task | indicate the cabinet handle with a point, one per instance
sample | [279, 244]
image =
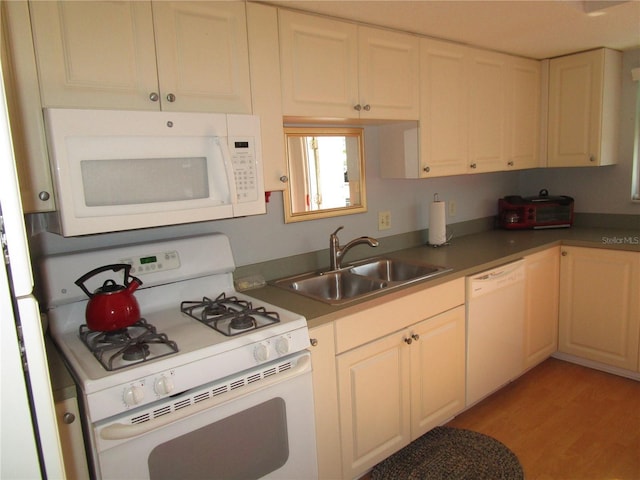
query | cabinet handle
[313, 342]
[408, 340]
[367, 108]
[357, 107]
[592, 158]
[510, 163]
[415, 336]
[426, 169]
[564, 254]
[68, 418]
[154, 97]
[44, 196]
[284, 179]
[171, 97]
[473, 165]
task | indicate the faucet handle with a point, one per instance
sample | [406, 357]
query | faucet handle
[337, 230]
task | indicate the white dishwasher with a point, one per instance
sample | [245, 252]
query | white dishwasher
[495, 324]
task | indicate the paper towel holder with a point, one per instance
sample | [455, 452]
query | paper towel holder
[447, 237]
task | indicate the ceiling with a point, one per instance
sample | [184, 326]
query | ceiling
[530, 28]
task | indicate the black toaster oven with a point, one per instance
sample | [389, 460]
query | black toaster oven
[542, 211]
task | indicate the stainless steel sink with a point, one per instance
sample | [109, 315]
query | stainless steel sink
[393, 270]
[332, 287]
[359, 279]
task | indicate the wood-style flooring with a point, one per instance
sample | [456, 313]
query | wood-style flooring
[565, 421]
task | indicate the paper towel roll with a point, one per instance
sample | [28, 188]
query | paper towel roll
[437, 223]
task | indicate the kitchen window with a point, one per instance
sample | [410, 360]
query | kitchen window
[635, 186]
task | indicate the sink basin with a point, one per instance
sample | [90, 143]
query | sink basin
[332, 287]
[393, 270]
[358, 280]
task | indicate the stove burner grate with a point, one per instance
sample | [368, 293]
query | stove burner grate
[229, 315]
[131, 345]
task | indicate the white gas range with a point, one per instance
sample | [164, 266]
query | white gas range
[215, 357]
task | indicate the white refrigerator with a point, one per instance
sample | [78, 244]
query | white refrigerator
[29, 445]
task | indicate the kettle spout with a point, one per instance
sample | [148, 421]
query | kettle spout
[134, 284]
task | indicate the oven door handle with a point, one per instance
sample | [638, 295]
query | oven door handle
[121, 431]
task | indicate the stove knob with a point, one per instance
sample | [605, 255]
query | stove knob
[133, 395]
[283, 346]
[261, 353]
[163, 385]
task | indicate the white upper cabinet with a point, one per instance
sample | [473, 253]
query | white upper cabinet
[479, 112]
[388, 74]
[523, 148]
[584, 102]
[187, 56]
[337, 69]
[25, 112]
[488, 111]
[202, 54]
[444, 109]
[264, 55]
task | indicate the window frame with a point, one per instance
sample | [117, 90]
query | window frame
[635, 176]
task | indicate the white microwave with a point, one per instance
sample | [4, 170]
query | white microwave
[124, 170]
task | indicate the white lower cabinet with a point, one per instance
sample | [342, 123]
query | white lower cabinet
[325, 397]
[71, 439]
[437, 370]
[542, 277]
[396, 388]
[600, 306]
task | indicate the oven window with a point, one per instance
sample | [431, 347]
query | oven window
[247, 445]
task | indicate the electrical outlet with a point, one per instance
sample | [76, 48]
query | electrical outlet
[384, 220]
[453, 208]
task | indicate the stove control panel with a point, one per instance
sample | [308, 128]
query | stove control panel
[154, 262]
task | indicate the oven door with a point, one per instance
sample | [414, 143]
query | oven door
[260, 426]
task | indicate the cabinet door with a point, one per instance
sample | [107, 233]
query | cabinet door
[524, 117]
[584, 105]
[266, 97]
[542, 277]
[373, 384]
[71, 438]
[202, 55]
[444, 109]
[319, 65]
[437, 370]
[489, 93]
[95, 54]
[600, 305]
[388, 74]
[25, 111]
[325, 397]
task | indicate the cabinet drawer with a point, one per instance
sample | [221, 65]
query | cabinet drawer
[384, 318]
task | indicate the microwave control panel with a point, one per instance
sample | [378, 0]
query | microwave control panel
[243, 159]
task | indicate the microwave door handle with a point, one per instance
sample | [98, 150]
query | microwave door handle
[228, 167]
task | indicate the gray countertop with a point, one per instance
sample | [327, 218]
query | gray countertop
[465, 256]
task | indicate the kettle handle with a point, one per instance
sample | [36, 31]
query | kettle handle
[113, 267]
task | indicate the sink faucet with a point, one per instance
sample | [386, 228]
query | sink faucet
[336, 252]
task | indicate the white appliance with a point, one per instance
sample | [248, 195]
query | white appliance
[224, 390]
[29, 446]
[123, 170]
[495, 329]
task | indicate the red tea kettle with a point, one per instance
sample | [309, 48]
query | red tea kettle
[112, 306]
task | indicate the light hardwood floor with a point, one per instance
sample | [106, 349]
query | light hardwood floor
[565, 421]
